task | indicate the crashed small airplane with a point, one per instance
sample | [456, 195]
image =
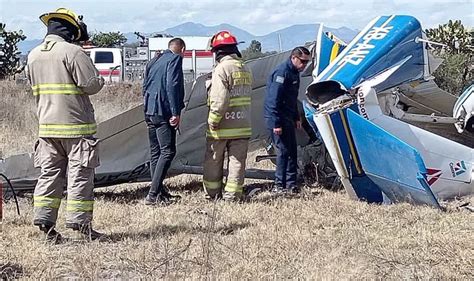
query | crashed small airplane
[365, 104]
[362, 100]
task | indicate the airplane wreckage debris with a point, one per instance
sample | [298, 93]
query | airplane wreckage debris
[360, 101]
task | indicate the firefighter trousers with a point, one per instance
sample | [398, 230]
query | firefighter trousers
[214, 164]
[66, 163]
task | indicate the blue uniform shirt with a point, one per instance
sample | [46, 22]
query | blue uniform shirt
[163, 86]
[282, 96]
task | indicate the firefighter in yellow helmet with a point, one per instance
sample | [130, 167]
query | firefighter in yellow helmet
[229, 127]
[62, 77]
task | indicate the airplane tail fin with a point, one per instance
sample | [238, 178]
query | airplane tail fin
[393, 165]
[328, 47]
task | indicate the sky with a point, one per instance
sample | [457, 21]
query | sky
[258, 17]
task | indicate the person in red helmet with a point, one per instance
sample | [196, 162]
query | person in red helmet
[229, 127]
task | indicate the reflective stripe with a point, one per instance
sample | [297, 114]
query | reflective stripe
[212, 184]
[214, 117]
[56, 89]
[46, 201]
[80, 205]
[240, 101]
[230, 133]
[67, 129]
[233, 187]
[56, 92]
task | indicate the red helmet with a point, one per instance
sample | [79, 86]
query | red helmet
[222, 38]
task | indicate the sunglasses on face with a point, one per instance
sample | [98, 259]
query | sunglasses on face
[303, 61]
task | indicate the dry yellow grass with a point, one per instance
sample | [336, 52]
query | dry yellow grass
[320, 234]
[18, 121]
[19, 124]
[317, 235]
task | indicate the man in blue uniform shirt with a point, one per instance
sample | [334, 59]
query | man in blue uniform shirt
[282, 117]
[163, 91]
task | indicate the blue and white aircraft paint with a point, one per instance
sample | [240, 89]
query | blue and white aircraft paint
[356, 98]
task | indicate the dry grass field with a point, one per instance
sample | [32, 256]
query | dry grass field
[19, 124]
[318, 234]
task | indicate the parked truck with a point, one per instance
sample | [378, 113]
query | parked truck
[128, 64]
[198, 60]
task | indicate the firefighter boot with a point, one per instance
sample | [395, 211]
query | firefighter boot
[51, 234]
[213, 197]
[86, 232]
[233, 197]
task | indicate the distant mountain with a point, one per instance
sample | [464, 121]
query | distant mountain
[299, 34]
[344, 33]
[197, 29]
[290, 37]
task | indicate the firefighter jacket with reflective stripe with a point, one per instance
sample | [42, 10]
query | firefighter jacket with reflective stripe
[62, 77]
[230, 100]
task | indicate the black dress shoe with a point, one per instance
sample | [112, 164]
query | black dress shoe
[166, 196]
[150, 201]
[294, 189]
[278, 189]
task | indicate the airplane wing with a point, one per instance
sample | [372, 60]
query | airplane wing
[124, 149]
[427, 98]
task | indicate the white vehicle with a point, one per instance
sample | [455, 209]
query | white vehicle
[198, 60]
[117, 64]
[108, 61]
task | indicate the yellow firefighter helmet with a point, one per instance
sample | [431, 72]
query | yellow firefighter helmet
[68, 15]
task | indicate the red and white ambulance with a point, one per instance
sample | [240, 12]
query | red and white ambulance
[108, 61]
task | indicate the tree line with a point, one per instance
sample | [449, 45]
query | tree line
[456, 73]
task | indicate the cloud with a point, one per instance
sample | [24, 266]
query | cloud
[188, 16]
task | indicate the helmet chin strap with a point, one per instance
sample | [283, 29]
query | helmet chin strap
[84, 34]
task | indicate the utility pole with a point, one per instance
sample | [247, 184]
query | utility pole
[279, 42]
